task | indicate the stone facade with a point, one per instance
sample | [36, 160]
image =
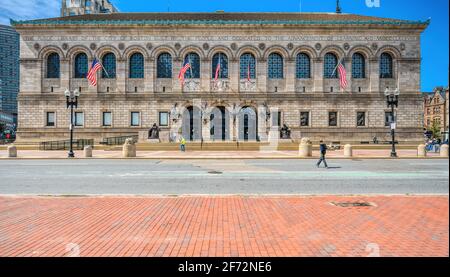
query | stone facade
[236, 97]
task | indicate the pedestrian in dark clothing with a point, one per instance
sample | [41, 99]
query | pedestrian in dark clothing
[323, 152]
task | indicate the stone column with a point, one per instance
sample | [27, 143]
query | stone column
[290, 75]
[261, 77]
[262, 124]
[318, 74]
[206, 124]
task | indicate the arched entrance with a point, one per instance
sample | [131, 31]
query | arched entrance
[192, 124]
[248, 124]
[219, 124]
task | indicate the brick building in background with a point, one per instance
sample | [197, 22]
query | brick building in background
[436, 109]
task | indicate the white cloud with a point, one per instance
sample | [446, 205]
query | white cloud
[28, 9]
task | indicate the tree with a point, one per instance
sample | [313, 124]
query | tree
[436, 130]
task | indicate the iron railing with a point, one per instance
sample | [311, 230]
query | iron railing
[118, 140]
[78, 144]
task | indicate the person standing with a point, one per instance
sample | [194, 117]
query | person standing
[183, 144]
[323, 153]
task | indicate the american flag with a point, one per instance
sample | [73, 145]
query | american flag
[342, 75]
[183, 70]
[92, 74]
[217, 71]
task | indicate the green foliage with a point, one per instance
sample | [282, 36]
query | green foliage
[436, 130]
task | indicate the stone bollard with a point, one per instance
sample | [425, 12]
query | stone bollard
[305, 148]
[444, 150]
[421, 151]
[129, 149]
[12, 151]
[348, 151]
[88, 151]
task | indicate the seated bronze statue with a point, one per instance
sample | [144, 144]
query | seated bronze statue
[154, 132]
[285, 132]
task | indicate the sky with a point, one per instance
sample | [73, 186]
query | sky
[435, 40]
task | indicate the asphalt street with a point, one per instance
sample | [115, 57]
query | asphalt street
[243, 177]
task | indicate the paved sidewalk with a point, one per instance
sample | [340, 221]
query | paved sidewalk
[102, 154]
[224, 226]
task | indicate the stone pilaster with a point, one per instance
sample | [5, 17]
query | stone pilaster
[290, 75]
[205, 75]
[120, 75]
[374, 75]
[149, 75]
[233, 72]
[65, 76]
[262, 75]
[318, 75]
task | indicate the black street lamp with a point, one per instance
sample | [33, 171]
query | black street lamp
[392, 102]
[71, 101]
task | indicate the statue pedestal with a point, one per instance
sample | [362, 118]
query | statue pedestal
[274, 135]
[153, 141]
[143, 136]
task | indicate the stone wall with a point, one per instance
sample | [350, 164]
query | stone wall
[290, 95]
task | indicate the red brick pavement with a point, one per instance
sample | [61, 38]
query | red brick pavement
[223, 226]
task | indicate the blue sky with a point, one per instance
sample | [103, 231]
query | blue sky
[435, 40]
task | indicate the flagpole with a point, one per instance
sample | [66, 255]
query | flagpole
[104, 70]
[190, 67]
[336, 67]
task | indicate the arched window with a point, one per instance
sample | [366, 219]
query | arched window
[358, 66]
[137, 66]
[109, 65]
[329, 66]
[275, 66]
[386, 66]
[194, 71]
[223, 59]
[303, 66]
[164, 66]
[248, 65]
[53, 66]
[81, 66]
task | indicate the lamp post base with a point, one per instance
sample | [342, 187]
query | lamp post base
[394, 155]
[71, 154]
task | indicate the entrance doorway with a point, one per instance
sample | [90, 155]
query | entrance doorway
[192, 124]
[248, 124]
[219, 124]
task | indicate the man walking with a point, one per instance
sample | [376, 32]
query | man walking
[182, 144]
[323, 152]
